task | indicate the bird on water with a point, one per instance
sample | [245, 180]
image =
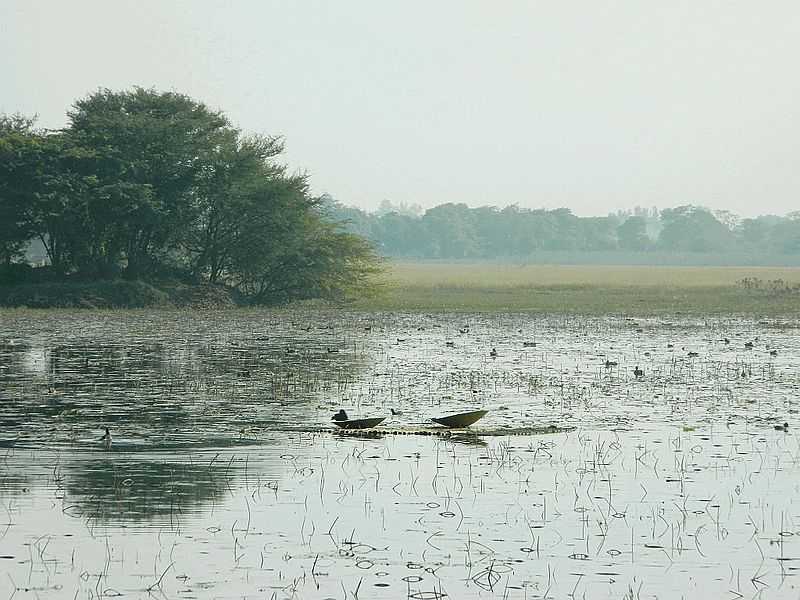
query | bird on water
[638, 373]
[106, 439]
[340, 416]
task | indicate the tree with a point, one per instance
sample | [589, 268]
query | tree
[451, 230]
[150, 150]
[407, 210]
[400, 235]
[299, 255]
[351, 219]
[785, 236]
[152, 185]
[598, 233]
[15, 139]
[42, 193]
[755, 234]
[693, 229]
[632, 234]
[237, 192]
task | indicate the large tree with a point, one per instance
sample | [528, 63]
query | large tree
[151, 151]
[153, 185]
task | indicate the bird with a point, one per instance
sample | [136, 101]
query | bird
[396, 412]
[340, 416]
[106, 439]
[773, 353]
[693, 354]
[637, 372]
[784, 427]
[493, 353]
[610, 364]
[748, 345]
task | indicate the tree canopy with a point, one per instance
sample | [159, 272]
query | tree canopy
[146, 184]
[456, 231]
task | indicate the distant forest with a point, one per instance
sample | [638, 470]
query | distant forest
[456, 231]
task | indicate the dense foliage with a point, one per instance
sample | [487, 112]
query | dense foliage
[148, 185]
[455, 231]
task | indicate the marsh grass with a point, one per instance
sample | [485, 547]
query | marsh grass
[572, 289]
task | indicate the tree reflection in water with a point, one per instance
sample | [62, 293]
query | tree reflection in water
[165, 375]
[147, 491]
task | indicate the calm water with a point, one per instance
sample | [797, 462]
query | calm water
[220, 484]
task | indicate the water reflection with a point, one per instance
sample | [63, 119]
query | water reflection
[151, 377]
[13, 483]
[120, 491]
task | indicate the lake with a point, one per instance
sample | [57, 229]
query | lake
[226, 480]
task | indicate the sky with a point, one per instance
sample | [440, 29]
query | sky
[595, 106]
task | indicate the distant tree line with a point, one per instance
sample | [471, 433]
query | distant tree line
[146, 185]
[456, 231]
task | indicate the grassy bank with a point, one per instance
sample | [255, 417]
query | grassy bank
[587, 289]
[489, 287]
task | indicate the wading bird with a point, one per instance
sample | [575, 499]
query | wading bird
[106, 439]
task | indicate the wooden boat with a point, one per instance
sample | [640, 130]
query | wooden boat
[360, 423]
[461, 419]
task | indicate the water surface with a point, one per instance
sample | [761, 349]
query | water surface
[221, 484]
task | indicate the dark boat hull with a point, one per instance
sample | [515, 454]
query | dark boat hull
[360, 423]
[461, 419]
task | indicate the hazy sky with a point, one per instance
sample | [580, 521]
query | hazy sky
[592, 105]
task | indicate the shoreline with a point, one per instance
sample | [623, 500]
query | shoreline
[470, 288]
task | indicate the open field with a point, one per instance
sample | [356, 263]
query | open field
[587, 289]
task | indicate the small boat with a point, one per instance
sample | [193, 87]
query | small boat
[461, 419]
[360, 423]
